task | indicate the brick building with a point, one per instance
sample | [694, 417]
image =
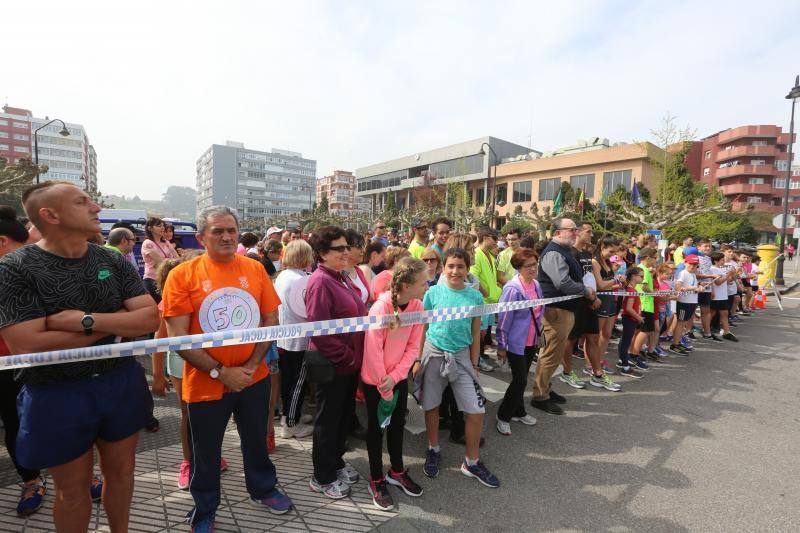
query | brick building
[340, 190]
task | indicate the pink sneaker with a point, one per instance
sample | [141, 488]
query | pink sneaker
[223, 464]
[183, 476]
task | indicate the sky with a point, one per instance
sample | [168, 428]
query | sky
[355, 83]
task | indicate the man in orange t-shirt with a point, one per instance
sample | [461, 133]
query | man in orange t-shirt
[222, 291]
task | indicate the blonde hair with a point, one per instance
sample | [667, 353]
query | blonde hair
[430, 253]
[465, 241]
[405, 272]
[393, 255]
[297, 254]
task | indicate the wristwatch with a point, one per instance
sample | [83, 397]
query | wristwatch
[88, 323]
[214, 372]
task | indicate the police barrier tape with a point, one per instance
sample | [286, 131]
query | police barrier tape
[272, 333]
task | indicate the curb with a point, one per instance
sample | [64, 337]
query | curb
[789, 288]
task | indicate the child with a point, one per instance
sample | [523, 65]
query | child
[450, 355]
[631, 318]
[719, 295]
[647, 334]
[687, 303]
[755, 270]
[663, 273]
[388, 357]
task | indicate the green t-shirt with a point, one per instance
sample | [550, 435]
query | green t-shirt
[648, 302]
[450, 335]
[504, 263]
[416, 248]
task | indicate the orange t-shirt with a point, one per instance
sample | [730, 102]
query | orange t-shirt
[220, 297]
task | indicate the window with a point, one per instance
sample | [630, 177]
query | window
[3, 135]
[21, 149]
[760, 143]
[521, 192]
[21, 137]
[779, 183]
[4, 147]
[706, 171]
[3, 123]
[502, 194]
[708, 154]
[753, 199]
[583, 182]
[22, 125]
[616, 179]
[794, 211]
[548, 189]
[755, 181]
[479, 196]
[794, 184]
[757, 162]
[782, 165]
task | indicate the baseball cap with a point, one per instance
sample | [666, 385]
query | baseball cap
[616, 259]
[691, 259]
[273, 230]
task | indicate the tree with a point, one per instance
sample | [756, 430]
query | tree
[17, 177]
[180, 200]
[666, 135]
[323, 204]
[720, 226]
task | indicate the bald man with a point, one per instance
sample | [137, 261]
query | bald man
[63, 292]
[121, 240]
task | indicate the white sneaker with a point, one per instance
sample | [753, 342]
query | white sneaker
[528, 420]
[504, 428]
[504, 366]
[298, 431]
[348, 474]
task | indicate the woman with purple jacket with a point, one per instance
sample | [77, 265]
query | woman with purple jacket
[331, 294]
[517, 337]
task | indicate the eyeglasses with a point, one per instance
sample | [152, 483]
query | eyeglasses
[533, 265]
[341, 249]
[431, 260]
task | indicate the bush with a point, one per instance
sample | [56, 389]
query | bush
[721, 227]
[521, 224]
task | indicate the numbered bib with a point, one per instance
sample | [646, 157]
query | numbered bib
[229, 308]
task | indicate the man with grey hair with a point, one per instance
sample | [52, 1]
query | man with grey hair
[559, 275]
[120, 240]
[215, 292]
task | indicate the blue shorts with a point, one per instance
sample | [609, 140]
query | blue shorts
[59, 422]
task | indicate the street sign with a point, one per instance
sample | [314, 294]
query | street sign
[656, 232]
[777, 221]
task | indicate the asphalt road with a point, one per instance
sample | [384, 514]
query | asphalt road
[705, 443]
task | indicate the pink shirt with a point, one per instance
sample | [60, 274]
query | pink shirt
[530, 292]
[380, 283]
[152, 249]
[390, 351]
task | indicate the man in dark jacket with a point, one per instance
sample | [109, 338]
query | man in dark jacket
[559, 275]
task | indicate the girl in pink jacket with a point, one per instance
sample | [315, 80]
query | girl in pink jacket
[388, 357]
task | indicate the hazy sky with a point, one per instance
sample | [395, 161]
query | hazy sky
[355, 83]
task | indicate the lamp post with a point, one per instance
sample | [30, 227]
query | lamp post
[64, 133]
[793, 95]
[494, 181]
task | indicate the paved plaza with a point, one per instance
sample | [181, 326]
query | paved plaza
[704, 443]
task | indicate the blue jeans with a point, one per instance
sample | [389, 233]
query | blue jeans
[207, 423]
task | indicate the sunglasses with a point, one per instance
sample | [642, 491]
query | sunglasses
[341, 249]
[431, 260]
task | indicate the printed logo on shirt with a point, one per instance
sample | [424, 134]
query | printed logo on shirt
[206, 285]
[243, 282]
[103, 274]
[228, 308]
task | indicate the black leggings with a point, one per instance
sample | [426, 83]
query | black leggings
[394, 433]
[293, 384]
[8, 412]
[513, 404]
[628, 333]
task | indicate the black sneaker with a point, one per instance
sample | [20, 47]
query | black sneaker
[678, 349]
[548, 406]
[380, 495]
[714, 338]
[405, 483]
[556, 397]
[730, 337]
[631, 372]
[653, 356]
[691, 335]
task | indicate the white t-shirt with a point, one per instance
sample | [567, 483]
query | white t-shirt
[731, 265]
[755, 271]
[718, 292]
[688, 280]
[704, 268]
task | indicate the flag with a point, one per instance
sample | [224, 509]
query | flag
[580, 202]
[603, 198]
[557, 204]
[636, 198]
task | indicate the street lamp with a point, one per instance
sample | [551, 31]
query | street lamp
[494, 181]
[793, 95]
[64, 133]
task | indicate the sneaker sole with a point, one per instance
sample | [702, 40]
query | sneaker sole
[503, 433]
[429, 475]
[573, 384]
[482, 482]
[272, 510]
[392, 481]
[517, 419]
[380, 508]
[603, 386]
[321, 491]
[630, 376]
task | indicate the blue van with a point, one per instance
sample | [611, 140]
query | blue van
[185, 234]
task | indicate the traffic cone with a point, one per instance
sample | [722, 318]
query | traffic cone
[761, 299]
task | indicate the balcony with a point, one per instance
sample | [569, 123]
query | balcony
[763, 207]
[746, 151]
[745, 170]
[745, 188]
[748, 132]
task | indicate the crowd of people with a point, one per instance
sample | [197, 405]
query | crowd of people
[59, 288]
